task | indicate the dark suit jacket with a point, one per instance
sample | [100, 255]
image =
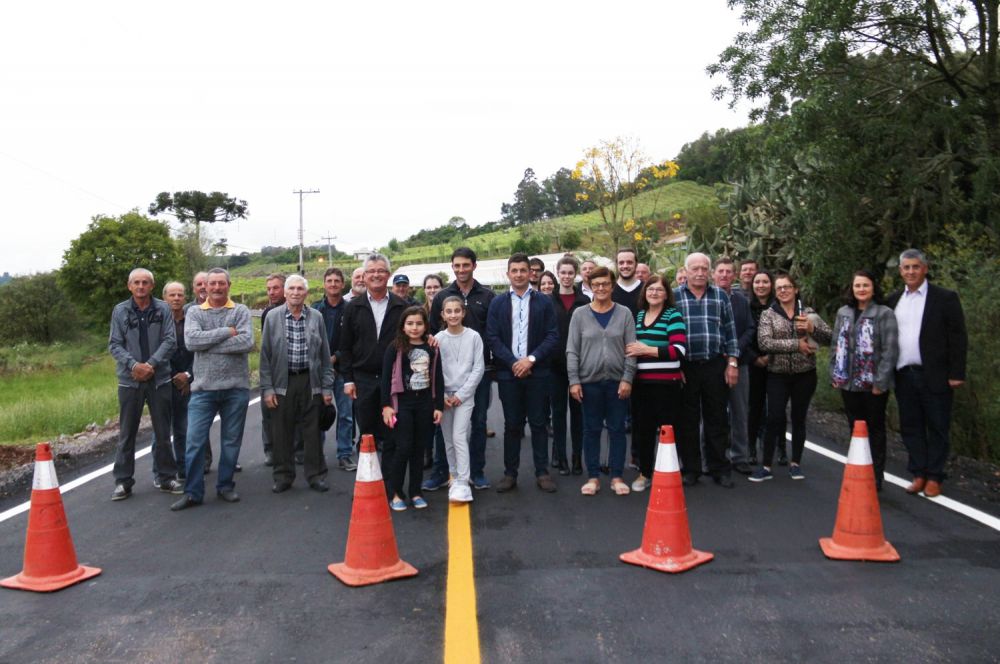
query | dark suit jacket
[543, 334]
[361, 351]
[943, 340]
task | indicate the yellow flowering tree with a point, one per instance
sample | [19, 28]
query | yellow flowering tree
[611, 174]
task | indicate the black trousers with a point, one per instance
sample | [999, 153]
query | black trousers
[368, 407]
[653, 405]
[130, 403]
[781, 388]
[705, 400]
[298, 407]
[755, 405]
[924, 423]
[870, 408]
[561, 401]
[404, 447]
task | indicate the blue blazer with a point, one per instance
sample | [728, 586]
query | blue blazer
[543, 333]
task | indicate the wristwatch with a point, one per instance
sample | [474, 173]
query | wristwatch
[734, 363]
[531, 358]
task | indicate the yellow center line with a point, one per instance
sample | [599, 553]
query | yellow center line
[461, 625]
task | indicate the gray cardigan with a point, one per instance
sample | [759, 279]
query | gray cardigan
[594, 353]
[884, 342]
[274, 353]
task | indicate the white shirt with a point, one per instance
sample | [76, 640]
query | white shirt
[379, 308]
[519, 309]
[909, 316]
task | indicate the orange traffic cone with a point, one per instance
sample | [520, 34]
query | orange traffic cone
[666, 538]
[49, 558]
[857, 534]
[371, 555]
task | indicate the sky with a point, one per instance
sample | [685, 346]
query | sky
[401, 114]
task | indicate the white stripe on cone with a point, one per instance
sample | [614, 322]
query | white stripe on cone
[860, 453]
[666, 458]
[368, 468]
[45, 476]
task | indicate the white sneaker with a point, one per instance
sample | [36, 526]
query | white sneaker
[460, 493]
[640, 484]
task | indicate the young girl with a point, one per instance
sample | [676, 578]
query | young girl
[462, 364]
[412, 401]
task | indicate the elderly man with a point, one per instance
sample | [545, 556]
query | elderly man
[220, 334]
[275, 287]
[477, 300]
[369, 325]
[681, 277]
[739, 394]
[931, 365]
[522, 332]
[296, 378]
[586, 267]
[142, 340]
[332, 307]
[642, 272]
[181, 369]
[711, 367]
[357, 284]
[401, 288]
[199, 288]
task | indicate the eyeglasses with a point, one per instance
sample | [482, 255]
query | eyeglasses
[784, 287]
[599, 285]
[376, 271]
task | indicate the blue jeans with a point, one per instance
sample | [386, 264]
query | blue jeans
[601, 406]
[231, 406]
[345, 420]
[521, 398]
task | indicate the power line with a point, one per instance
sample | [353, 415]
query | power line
[329, 246]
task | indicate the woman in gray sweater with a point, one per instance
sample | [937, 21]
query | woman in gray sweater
[600, 378]
[863, 361]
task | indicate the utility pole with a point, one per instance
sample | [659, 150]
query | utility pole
[302, 261]
[329, 247]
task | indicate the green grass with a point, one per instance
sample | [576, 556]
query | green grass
[46, 391]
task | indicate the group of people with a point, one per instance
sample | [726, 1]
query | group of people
[573, 352]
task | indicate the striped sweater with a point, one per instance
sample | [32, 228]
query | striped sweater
[669, 335]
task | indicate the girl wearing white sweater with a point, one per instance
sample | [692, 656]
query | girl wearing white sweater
[461, 352]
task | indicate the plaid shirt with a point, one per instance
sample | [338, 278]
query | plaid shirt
[298, 349]
[711, 330]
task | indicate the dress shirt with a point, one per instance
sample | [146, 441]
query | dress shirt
[519, 305]
[379, 307]
[909, 316]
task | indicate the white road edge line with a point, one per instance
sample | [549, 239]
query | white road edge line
[93, 475]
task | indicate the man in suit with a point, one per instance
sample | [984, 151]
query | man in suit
[521, 331]
[368, 325]
[931, 364]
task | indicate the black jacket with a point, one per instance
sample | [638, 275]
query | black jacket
[477, 306]
[746, 327]
[361, 352]
[562, 320]
[182, 360]
[943, 339]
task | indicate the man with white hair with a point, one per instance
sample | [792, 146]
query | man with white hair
[296, 379]
[357, 284]
[711, 367]
[142, 340]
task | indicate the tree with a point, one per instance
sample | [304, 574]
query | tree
[561, 191]
[36, 309]
[950, 46]
[196, 207]
[530, 202]
[96, 266]
[609, 177]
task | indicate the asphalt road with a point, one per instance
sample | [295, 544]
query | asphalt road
[248, 582]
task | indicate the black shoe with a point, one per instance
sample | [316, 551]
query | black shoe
[753, 460]
[319, 485]
[121, 492]
[689, 479]
[563, 468]
[300, 458]
[782, 458]
[229, 495]
[742, 468]
[725, 481]
[268, 459]
[185, 502]
[238, 468]
[281, 487]
[577, 465]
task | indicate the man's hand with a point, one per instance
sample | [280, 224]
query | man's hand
[141, 372]
[761, 361]
[576, 392]
[955, 383]
[180, 381]
[522, 368]
[271, 401]
[732, 376]
[624, 390]
[233, 331]
[351, 390]
[437, 417]
[804, 346]
[333, 359]
[328, 399]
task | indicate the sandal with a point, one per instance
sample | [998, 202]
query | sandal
[619, 487]
[591, 487]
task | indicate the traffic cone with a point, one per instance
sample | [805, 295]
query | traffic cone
[49, 558]
[666, 538]
[857, 535]
[371, 555]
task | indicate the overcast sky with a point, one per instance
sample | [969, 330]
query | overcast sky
[402, 114]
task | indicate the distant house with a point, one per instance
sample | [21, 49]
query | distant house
[362, 254]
